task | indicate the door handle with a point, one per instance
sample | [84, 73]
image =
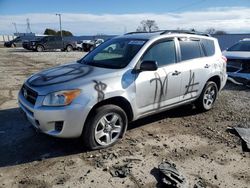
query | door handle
[207, 66]
[175, 73]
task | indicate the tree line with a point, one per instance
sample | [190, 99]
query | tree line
[53, 32]
[151, 25]
[145, 26]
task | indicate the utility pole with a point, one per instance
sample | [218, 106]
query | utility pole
[60, 22]
[28, 30]
[15, 26]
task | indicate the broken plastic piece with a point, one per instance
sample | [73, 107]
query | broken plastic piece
[171, 177]
[244, 134]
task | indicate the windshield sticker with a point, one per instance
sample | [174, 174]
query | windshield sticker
[136, 42]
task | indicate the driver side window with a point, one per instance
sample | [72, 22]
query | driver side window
[163, 53]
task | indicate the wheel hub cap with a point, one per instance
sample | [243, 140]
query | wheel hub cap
[108, 129]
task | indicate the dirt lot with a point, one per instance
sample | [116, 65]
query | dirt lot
[197, 143]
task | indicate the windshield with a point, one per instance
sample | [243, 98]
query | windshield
[115, 53]
[241, 46]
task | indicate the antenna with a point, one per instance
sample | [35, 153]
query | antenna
[28, 30]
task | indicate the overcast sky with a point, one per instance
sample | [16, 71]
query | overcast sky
[116, 17]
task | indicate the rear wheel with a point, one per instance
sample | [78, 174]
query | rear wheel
[69, 48]
[39, 48]
[105, 127]
[208, 96]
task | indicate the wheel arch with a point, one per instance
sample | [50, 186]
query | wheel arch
[216, 79]
[40, 45]
[118, 101]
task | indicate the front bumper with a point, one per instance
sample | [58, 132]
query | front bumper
[70, 118]
[239, 78]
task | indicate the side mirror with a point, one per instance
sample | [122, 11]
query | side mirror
[148, 66]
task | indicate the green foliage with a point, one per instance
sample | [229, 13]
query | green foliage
[64, 33]
[57, 33]
[49, 32]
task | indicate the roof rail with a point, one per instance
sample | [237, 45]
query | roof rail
[135, 32]
[171, 31]
[186, 32]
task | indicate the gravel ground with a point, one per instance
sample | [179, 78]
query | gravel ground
[197, 143]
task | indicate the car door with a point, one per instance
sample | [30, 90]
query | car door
[46, 42]
[58, 43]
[194, 67]
[158, 89]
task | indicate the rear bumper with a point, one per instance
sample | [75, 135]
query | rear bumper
[63, 122]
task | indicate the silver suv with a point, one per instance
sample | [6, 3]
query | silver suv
[122, 80]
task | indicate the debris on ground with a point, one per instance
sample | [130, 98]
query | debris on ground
[200, 184]
[121, 171]
[244, 134]
[170, 175]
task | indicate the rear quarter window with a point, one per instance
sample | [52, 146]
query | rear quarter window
[208, 46]
[190, 50]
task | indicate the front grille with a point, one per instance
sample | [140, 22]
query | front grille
[29, 94]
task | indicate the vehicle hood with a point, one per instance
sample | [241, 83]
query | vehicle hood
[236, 55]
[70, 76]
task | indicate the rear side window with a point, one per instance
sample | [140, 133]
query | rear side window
[163, 53]
[208, 46]
[190, 50]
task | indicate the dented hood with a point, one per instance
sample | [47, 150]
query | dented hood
[68, 76]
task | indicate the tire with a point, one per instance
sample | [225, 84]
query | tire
[208, 96]
[110, 50]
[105, 127]
[39, 48]
[69, 48]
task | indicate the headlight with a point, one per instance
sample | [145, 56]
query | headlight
[61, 98]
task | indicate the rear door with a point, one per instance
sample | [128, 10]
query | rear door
[194, 67]
[58, 43]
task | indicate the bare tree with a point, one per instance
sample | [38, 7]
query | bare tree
[147, 26]
[210, 30]
[214, 31]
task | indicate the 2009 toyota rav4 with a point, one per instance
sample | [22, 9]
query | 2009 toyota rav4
[124, 79]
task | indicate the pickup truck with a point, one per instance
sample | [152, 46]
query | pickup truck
[50, 43]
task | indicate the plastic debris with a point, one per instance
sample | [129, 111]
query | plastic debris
[171, 177]
[244, 134]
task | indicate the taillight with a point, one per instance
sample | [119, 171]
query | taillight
[224, 58]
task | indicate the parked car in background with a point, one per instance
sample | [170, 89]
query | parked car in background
[148, 73]
[79, 44]
[50, 43]
[89, 45]
[238, 62]
[17, 42]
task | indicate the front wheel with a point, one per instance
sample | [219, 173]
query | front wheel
[105, 127]
[39, 48]
[208, 96]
